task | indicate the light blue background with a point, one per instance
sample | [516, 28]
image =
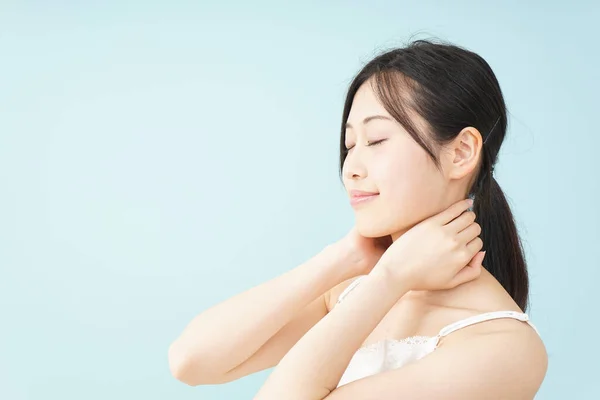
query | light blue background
[158, 158]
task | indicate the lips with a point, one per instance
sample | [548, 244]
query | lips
[359, 197]
[361, 193]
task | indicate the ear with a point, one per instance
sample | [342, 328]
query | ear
[462, 155]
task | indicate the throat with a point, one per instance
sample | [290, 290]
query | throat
[450, 298]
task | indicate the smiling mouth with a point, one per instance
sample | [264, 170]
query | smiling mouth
[357, 200]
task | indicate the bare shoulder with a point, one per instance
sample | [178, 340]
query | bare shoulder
[334, 293]
[518, 351]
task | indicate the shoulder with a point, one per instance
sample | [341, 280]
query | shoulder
[518, 352]
[506, 362]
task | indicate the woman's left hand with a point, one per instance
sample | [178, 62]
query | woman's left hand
[440, 252]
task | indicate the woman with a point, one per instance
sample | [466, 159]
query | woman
[404, 306]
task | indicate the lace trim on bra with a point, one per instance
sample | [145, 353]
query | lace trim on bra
[408, 341]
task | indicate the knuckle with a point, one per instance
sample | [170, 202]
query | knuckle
[465, 254]
[454, 241]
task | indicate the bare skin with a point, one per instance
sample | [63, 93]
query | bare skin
[496, 362]
[420, 313]
[254, 330]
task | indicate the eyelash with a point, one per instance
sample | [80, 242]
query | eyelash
[371, 144]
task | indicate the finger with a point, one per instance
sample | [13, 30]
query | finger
[466, 274]
[478, 259]
[475, 245]
[482, 258]
[467, 253]
[470, 272]
[453, 211]
[469, 233]
[461, 222]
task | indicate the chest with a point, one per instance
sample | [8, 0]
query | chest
[405, 319]
[385, 355]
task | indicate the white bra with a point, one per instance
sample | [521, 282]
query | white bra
[389, 354]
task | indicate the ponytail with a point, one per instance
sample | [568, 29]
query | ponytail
[504, 257]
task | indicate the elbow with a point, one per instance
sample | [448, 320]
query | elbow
[180, 366]
[185, 368]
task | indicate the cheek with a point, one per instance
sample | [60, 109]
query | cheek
[412, 181]
[410, 187]
[405, 175]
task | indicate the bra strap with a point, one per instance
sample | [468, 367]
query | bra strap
[485, 317]
[348, 289]
[458, 324]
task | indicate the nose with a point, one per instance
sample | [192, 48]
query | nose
[354, 167]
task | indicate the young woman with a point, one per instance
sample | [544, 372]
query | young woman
[405, 306]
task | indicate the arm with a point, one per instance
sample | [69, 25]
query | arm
[313, 367]
[250, 331]
[439, 253]
[498, 365]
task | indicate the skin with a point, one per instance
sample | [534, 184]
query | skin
[421, 285]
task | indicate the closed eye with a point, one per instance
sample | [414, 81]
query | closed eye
[369, 145]
[376, 142]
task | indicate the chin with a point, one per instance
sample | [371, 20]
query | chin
[380, 227]
[372, 229]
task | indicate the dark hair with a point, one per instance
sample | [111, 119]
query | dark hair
[451, 88]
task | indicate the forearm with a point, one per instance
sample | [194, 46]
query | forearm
[314, 366]
[224, 336]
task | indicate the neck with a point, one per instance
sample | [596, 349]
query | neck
[450, 298]
[443, 298]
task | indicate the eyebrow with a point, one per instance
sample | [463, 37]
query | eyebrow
[369, 119]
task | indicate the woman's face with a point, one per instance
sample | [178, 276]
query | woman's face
[410, 188]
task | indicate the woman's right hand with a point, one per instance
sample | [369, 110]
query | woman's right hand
[439, 253]
[362, 252]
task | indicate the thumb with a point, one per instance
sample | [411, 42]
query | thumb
[471, 271]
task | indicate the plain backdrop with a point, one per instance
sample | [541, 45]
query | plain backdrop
[157, 158]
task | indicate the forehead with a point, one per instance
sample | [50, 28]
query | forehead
[364, 104]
